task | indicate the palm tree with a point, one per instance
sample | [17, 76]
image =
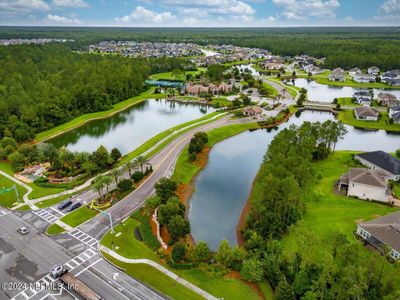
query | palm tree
[99, 184]
[116, 173]
[107, 181]
[129, 166]
[141, 161]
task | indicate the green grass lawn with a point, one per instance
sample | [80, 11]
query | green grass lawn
[222, 101]
[149, 94]
[157, 138]
[79, 216]
[396, 190]
[272, 92]
[347, 101]
[169, 76]
[327, 212]
[128, 245]
[185, 170]
[154, 278]
[51, 202]
[9, 199]
[347, 117]
[54, 229]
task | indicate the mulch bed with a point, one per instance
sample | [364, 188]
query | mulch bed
[138, 236]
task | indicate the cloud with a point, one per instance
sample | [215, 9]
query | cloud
[390, 7]
[222, 7]
[304, 9]
[22, 7]
[62, 20]
[143, 16]
[70, 3]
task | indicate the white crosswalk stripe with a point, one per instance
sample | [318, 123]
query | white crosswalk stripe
[3, 213]
[47, 280]
[46, 215]
[84, 238]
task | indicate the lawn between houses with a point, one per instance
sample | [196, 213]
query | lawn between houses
[347, 117]
[327, 212]
[127, 245]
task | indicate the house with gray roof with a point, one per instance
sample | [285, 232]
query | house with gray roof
[381, 161]
[366, 113]
[366, 184]
[383, 231]
[337, 74]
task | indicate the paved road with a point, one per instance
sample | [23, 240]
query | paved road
[28, 258]
[163, 164]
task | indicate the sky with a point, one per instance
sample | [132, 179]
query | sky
[200, 13]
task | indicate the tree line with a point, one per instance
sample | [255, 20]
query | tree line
[44, 86]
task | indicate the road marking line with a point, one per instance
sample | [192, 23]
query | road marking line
[89, 266]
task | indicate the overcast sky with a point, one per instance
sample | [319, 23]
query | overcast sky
[199, 13]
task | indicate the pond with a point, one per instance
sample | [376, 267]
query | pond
[326, 93]
[249, 67]
[130, 128]
[223, 187]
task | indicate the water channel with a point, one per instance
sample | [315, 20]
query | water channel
[130, 128]
[224, 185]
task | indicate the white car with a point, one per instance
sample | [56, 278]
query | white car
[23, 230]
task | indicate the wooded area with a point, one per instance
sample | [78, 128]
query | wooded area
[344, 47]
[44, 86]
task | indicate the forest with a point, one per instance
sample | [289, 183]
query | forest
[44, 86]
[344, 47]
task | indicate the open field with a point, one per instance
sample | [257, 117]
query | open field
[347, 117]
[9, 199]
[79, 121]
[327, 212]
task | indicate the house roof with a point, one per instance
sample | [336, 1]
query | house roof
[366, 111]
[383, 160]
[396, 116]
[368, 177]
[386, 96]
[386, 229]
[354, 70]
[362, 94]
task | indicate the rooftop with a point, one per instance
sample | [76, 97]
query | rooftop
[383, 160]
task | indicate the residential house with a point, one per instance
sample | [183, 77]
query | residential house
[366, 184]
[337, 74]
[364, 78]
[354, 71]
[253, 111]
[313, 69]
[373, 71]
[381, 161]
[394, 114]
[363, 97]
[381, 231]
[387, 99]
[391, 77]
[366, 113]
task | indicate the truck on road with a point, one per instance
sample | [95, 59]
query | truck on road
[74, 284]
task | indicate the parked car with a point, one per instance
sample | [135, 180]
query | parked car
[23, 230]
[74, 206]
[57, 271]
[64, 204]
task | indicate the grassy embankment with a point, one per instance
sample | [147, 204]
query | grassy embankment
[327, 212]
[272, 92]
[347, 117]
[79, 121]
[9, 199]
[347, 101]
[127, 245]
[185, 169]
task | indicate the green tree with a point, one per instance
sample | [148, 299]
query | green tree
[141, 161]
[178, 226]
[165, 189]
[201, 251]
[252, 270]
[284, 291]
[17, 161]
[178, 252]
[224, 254]
[116, 173]
[115, 154]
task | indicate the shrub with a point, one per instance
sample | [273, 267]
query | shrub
[125, 185]
[137, 176]
[178, 252]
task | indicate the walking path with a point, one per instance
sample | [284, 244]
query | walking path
[159, 268]
[25, 197]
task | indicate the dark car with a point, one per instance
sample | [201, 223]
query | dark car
[74, 206]
[64, 204]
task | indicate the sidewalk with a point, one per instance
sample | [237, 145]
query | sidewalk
[161, 269]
